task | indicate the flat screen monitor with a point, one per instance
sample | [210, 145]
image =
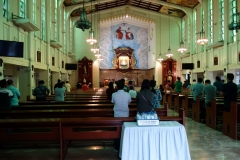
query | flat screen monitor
[11, 49]
[71, 66]
[187, 66]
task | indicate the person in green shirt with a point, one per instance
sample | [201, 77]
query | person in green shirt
[178, 85]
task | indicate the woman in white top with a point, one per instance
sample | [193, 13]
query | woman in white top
[68, 86]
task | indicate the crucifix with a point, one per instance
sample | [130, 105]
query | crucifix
[137, 73]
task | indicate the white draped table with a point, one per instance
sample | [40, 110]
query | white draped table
[167, 141]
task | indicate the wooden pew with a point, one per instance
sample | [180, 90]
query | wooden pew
[177, 100]
[70, 113]
[213, 112]
[187, 105]
[77, 101]
[230, 121]
[67, 106]
[196, 109]
[67, 129]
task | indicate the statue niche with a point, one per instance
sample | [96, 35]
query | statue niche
[123, 59]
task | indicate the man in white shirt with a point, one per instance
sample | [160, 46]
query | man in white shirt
[121, 100]
[5, 96]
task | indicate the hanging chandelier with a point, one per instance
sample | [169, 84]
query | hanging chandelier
[169, 54]
[182, 48]
[83, 23]
[91, 40]
[94, 49]
[160, 59]
[201, 38]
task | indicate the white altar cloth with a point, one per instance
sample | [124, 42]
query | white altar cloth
[167, 141]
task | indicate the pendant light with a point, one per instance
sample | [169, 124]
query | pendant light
[202, 39]
[169, 53]
[182, 48]
[160, 59]
[91, 40]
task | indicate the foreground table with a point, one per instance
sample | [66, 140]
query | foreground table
[167, 141]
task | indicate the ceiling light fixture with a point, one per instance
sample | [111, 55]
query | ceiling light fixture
[83, 23]
[182, 48]
[169, 53]
[91, 40]
[201, 38]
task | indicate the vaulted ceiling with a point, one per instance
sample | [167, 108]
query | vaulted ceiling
[153, 5]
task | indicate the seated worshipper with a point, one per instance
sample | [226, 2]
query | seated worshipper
[130, 84]
[197, 89]
[132, 92]
[15, 91]
[110, 90]
[41, 91]
[5, 96]
[68, 86]
[84, 87]
[229, 91]
[157, 95]
[145, 97]
[121, 100]
[60, 92]
[59, 81]
[185, 84]
[125, 86]
[178, 85]
[218, 84]
[238, 87]
[168, 85]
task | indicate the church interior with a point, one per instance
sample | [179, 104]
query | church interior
[101, 41]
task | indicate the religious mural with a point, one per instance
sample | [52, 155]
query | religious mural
[124, 35]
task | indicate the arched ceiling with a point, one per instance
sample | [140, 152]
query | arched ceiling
[170, 7]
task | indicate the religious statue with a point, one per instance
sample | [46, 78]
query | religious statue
[85, 69]
[84, 80]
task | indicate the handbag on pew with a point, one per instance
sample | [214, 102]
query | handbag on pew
[147, 101]
[43, 92]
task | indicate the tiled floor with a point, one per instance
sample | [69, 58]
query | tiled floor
[204, 144]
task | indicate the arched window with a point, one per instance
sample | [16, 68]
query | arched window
[5, 8]
[70, 36]
[210, 24]
[64, 32]
[56, 19]
[203, 24]
[233, 11]
[221, 19]
[195, 32]
[34, 13]
[22, 8]
[43, 20]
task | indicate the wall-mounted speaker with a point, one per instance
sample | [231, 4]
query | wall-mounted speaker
[32, 67]
[1, 62]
